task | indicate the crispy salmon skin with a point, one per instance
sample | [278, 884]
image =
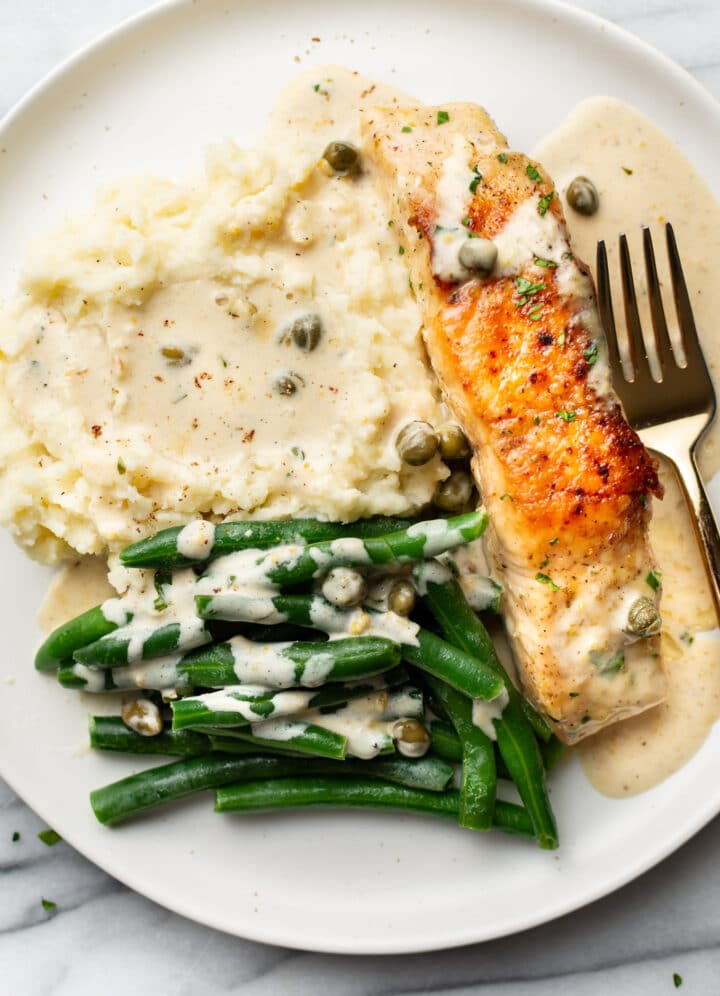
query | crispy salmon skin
[512, 332]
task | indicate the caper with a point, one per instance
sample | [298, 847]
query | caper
[401, 598]
[644, 618]
[582, 196]
[478, 254]
[142, 716]
[342, 156]
[417, 442]
[287, 384]
[306, 332]
[411, 737]
[454, 492]
[344, 587]
[454, 443]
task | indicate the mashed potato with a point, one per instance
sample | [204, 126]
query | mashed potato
[148, 373]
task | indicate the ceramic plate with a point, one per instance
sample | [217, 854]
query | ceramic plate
[150, 97]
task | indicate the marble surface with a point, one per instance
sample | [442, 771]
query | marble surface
[102, 937]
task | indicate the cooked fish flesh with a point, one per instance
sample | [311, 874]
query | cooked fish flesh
[512, 332]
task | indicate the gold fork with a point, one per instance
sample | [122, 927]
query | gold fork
[670, 415]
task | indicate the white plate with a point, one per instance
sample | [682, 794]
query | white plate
[150, 97]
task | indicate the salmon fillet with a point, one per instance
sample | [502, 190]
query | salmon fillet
[521, 359]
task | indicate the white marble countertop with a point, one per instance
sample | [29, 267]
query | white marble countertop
[104, 938]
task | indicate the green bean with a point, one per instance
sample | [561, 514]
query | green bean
[515, 738]
[254, 704]
[301, 738]
[551, 753]
[110, 733]
[444, 742]
[161, 549]
[240, 661]
[136, 793]
[128, 646]
[479, 778]
[68, 638]
[288, 793]
[468, 674]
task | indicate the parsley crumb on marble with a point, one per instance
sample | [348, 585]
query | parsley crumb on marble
[48, 905]
[49, 837]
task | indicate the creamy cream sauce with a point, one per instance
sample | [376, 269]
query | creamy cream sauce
[80, 585]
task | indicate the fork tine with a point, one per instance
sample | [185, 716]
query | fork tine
[663, 343]
[686, 321]
[606, 308]
[638, 353]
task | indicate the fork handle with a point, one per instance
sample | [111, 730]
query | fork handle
[704, 522]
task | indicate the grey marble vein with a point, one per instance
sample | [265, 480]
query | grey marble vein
[104, 938]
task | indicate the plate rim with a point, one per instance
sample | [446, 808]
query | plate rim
[263, 931]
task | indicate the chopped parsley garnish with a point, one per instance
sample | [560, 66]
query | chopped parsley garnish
[475, 180]
[162, 578]
[654, 579]
[316, 87]
[121, 468]
[544, 203]
[297, 452]
[391, 223]
[401, 250]
[554, 541]
[687, 638]
[549, 264]
[544, 579]
[562, 338]
[533, 173]
[568, 255]
[443, 117]
[536, 313]
[545, 562]
[15, 836]
[677, 980]
[536, 420]
[607, 663]
[406, 129]
[643, 501]
[573, 695]
[49, 837]
[506, 495]
[48, 905]
[527, 289]
[591, 353]
[567, 416]
[502, 157]
[626, 170]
